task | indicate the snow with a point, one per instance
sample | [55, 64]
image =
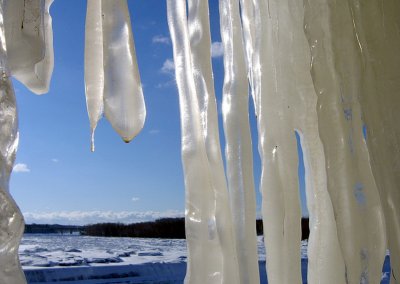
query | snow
[84, 259]
[63, 250]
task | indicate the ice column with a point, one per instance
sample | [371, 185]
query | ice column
[277, 143]
[11, 222]
[336, 75]
[296, 100]
[29, 33]
[238, 151]
[377, 41]
[111, 70]
[211, 244]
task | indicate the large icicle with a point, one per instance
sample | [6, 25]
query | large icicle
[336, 75]
[325, 261]
[378, 44]
[11, 222]
[211, 244]
[29, 34]
[277, 144]
[123, 97]
[94, 66]
[238, 152]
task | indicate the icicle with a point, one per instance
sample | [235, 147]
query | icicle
[30, 44]
[200, 46]
[325, 261]
[12, 222]
[277, 144]
[123, 97]
[378, 45]
[336, 73]
[211, 245]
[238, 150]
[39, 79]
[94, 73]
[248, 16]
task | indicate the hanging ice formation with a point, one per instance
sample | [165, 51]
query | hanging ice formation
[111, 71]
[326, 70]
[26, 52]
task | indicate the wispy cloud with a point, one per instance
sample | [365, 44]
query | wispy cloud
[54, 160]
[167, 84]
[135, 199]
[161, 39]
[21, 168]
[168, 66]
[217, 49]
[154, 131]
[91, 217]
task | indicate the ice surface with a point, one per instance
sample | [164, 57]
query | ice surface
[63, 250]
[45, 259]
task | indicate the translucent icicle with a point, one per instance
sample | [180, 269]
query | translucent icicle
[38, 80]
[200, 43]
[11, 222]
[211, 244]
[378, 45]
[248, 15]
[123, 97]
[325, 261]
[238, 152]
[94, 67]
[30, 44]
[336, 73]
[277, 144]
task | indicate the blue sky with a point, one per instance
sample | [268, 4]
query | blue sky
[58, 180]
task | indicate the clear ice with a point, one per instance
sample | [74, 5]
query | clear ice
[11, 219]
[112, 77]
[29, 34]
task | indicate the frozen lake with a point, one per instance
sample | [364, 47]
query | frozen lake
[82, 259]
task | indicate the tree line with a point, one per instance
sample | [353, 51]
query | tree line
[166, 228]
[169, 228]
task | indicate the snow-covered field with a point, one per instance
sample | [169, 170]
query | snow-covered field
[81, 259]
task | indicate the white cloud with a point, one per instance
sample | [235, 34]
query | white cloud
[21, 168]
[161, 39]
[217, 49]
[167, 84]
[135, 199]
[54, 160]
[91, 217]
[154, 131]
[168, 66]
